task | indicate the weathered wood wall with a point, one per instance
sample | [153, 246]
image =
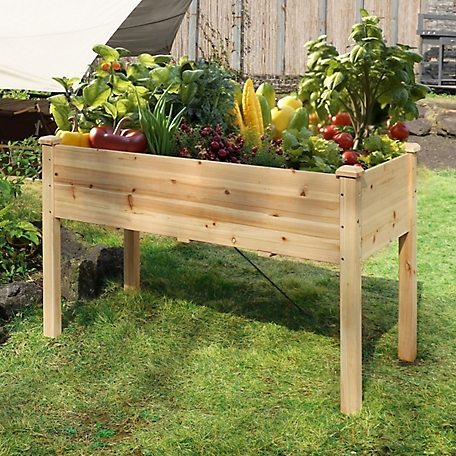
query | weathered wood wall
[267, 37]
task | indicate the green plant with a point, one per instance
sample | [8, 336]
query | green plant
[20, 160]
[159, 126]
[310, 152]
[19, 239]
[371, 82]
[110, 91]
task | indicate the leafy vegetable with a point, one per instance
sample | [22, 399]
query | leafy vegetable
[309, 152]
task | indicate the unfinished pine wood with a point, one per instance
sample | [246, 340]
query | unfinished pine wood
[341, 218]
[52, 313]
[131, 260]
[407, 327]
[385, 207]
[295, 213]
[350, 290]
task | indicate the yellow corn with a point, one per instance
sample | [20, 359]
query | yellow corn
[251, 108]
[237, 117]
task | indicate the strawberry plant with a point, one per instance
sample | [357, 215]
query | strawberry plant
[370, 83]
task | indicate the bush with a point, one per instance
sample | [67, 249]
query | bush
[19, 239]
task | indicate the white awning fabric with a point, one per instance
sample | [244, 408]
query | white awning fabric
[52, 38]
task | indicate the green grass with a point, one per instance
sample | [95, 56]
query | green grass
[210, 359]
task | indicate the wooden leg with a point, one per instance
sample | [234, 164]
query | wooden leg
[131, 260]
[407, 344]
[52, 312]
[350, 296]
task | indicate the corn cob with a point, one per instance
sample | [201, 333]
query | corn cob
[237, 117]
[251, 108]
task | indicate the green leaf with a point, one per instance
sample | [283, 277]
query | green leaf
[358, 53]
[66, 83]
[60, 113]
[59, 100]
[147, 60]
[400, 96]
[122, 51]
[189, 76]
[106, 52]
[120, 85]
[77, 101]
[96, 93]
[110, 109]
[137, 71]
[332, 82]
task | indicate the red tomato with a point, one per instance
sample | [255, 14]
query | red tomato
[345, 140]
[105, 66]
[116, 66]
[399, 131]
[341, 119]
[328, 131]
[350, 157]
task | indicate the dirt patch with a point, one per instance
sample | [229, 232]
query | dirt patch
[435, 132]
[437, 152]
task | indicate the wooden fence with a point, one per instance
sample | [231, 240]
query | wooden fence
[267, 37]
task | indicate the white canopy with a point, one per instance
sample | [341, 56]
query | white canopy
[52, 38]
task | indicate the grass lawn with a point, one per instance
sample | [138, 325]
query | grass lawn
[210, 359]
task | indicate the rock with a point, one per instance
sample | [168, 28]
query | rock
[447, 122]
[84, 268]
[419, 127]
[16, 296]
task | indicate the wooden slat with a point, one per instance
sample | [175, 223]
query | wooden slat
[385, 208]
[296, 211]
[112, 209]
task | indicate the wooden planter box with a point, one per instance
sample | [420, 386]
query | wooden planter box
[342, 219]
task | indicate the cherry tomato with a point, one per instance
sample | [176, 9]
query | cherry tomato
[328, 131]
[345, 140]
[313, 119]
[105, 66]
[399, 131]
[341, 119]
[350, 157]
[116, 66]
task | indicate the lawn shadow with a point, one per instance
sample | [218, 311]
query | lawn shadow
[221, 279]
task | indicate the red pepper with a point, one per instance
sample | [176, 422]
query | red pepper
[128, 140]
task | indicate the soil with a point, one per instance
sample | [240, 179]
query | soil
[435, 132]
[437, 152]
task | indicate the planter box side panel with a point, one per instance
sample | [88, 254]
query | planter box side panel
[286, 212]
[385, 203]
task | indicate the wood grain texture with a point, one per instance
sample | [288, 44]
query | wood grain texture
[295, 213]
[350, 295]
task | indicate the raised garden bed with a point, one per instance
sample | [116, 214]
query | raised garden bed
[341, 219]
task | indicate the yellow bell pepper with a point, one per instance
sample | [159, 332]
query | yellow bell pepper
[74, 138]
